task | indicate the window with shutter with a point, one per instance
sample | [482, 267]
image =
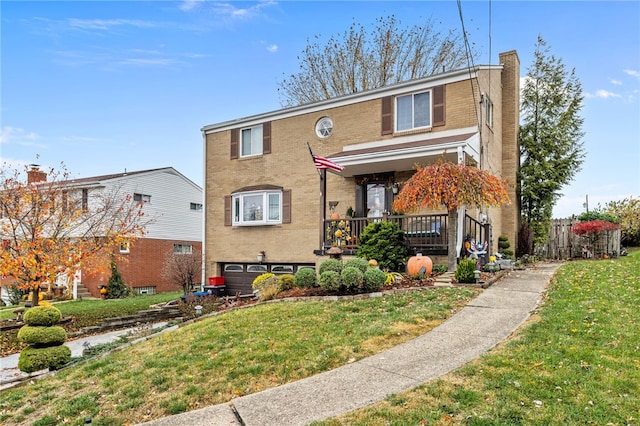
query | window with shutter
[266, 138]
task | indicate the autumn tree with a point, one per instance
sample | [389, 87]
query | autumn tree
[449, 185]
[627, 211]
[550, 136]
[183, 269]
[360, 60]
[49, 228]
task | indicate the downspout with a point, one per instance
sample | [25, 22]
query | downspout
[204, 208]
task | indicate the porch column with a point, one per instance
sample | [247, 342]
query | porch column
[323, 206]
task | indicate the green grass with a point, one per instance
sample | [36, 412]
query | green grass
[225, 356]
[576, 363]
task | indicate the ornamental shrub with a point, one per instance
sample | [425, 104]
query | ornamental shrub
[258, 281]
[374, 280]
[34, 359]
[116, 288]
[352, 278]
[330, 265]
[383, 241]
[42, 315]
[330, 280]
[42, 336]
[286, 281]
[305, 278]
[359, 263]
[465, 273]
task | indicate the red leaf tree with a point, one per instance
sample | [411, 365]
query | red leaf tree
[452, 186]
[592, 230]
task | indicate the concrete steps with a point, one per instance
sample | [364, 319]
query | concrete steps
[444, 280]
[83, 293]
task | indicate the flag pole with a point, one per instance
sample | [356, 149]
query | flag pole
[313, 158]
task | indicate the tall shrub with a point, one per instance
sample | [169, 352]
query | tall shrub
[116, 288]
[383, 241]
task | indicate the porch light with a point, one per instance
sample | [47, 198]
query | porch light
[260, 257]
[395, 188]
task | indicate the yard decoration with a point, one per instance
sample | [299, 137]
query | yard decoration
[46, 340]
[452, 186]
[416, 264]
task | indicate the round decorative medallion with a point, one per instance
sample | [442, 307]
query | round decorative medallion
[324, 127]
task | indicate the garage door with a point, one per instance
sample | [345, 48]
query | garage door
[239, 276]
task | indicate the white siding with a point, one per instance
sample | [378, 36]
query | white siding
[171, 197]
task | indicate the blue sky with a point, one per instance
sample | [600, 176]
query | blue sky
[105, 86]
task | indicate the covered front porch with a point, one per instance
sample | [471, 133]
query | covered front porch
[423, 233]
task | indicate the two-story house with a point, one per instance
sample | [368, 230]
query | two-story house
[173, 206]
[267, 208]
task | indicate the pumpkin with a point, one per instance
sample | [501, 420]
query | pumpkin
[373, 263]
[335, 216]
[103, 290]
[417, 263]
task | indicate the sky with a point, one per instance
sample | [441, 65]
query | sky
[108, 86]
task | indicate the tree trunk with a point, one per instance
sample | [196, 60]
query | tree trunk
[35, 294]
[452, 238]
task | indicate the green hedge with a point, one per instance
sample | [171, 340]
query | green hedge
[42, 315]
[42, 336]
[374, 279]
[36, 359]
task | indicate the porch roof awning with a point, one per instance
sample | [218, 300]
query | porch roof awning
[404, 153]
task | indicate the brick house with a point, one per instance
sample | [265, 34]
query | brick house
[268, 210]
[170, 199]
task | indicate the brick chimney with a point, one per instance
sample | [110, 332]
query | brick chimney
[35, 174]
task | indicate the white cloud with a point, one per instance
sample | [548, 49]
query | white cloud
[107, 24]
[17, 135]
[602, 94]
[632, 73]
[272, 48]
[188, 5]
[615, 82]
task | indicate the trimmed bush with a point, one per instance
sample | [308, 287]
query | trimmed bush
[330, 280]
[116, 288]
[374, 279]
[35, 359]
[352, 278]
[42, 315]
[465, 273]
[286, 281]
[42, 336]
[359, 263]
[330, 265]
[260, 279]
[305, 278]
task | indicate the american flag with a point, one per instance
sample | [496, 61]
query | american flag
[325, 163]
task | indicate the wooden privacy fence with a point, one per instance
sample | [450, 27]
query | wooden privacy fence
[564, 244]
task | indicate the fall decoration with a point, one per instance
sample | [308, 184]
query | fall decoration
[416, 263]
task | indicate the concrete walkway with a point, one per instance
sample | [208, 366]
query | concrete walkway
[481, 325]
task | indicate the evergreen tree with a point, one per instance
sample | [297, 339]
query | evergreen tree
[116, 288]
[551, 147]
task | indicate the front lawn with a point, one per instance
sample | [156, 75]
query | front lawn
[576, 363]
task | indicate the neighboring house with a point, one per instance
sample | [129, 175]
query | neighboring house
[268, 209]
[172, 202]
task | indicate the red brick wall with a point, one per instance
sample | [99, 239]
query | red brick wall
[141, 267]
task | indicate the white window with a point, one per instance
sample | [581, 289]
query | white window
[257, 268]
[251, 141]
[182, 248]
[489, 111]
[196, 206]
[125, 247]
[257, 208]
[233, 268]
[142, 198]
[413, 111]
[282, 269]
